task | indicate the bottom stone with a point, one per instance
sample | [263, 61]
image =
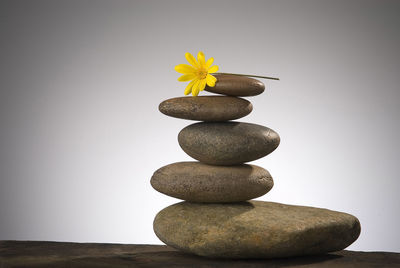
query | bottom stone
[254, 229]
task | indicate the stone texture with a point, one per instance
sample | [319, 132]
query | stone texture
[233, 85]
[90, 255]
[206, 108]
[198, 182]
[227, 143]
[254, 229]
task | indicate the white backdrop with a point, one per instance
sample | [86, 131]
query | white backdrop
[81, 133]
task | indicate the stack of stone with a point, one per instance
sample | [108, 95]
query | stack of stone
[216, 219]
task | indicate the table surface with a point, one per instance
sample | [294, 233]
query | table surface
[60, 254]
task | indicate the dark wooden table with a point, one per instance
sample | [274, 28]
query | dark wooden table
[57, 254]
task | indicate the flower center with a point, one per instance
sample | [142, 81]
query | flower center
[202, 73]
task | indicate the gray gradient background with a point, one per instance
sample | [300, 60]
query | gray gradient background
[81, 133]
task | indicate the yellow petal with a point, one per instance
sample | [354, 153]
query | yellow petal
[209, 62]
[201, 59]
[213, 69]
[189, 57]
[188, 88]
[186, 77]
[211, 80]
[184, 69]
[202, 84]
[195, 89]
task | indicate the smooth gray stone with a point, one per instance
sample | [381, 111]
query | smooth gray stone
[227, 143]
[206, 108]
[254, 229]
[198, 182]
[234, 85]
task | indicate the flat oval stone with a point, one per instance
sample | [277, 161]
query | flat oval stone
[254, 229]
[234, 85]
[206, 108]
[198, 182]
[227, 143]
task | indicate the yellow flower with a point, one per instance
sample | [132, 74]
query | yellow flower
[198, 71]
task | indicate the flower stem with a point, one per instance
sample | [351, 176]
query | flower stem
[258, 76]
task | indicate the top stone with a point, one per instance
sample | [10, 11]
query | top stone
[234, 85]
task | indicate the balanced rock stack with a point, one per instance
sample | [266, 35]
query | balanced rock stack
[216, 219]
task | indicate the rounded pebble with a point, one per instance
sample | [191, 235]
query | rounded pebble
[206, 108]
[198, 182]
[234, 85]
[227, 143]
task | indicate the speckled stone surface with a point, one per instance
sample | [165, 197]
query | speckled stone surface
[227, 143]
[233, 85]
[92, 255]
[254, 229]
[206, 108]
[198, 182]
